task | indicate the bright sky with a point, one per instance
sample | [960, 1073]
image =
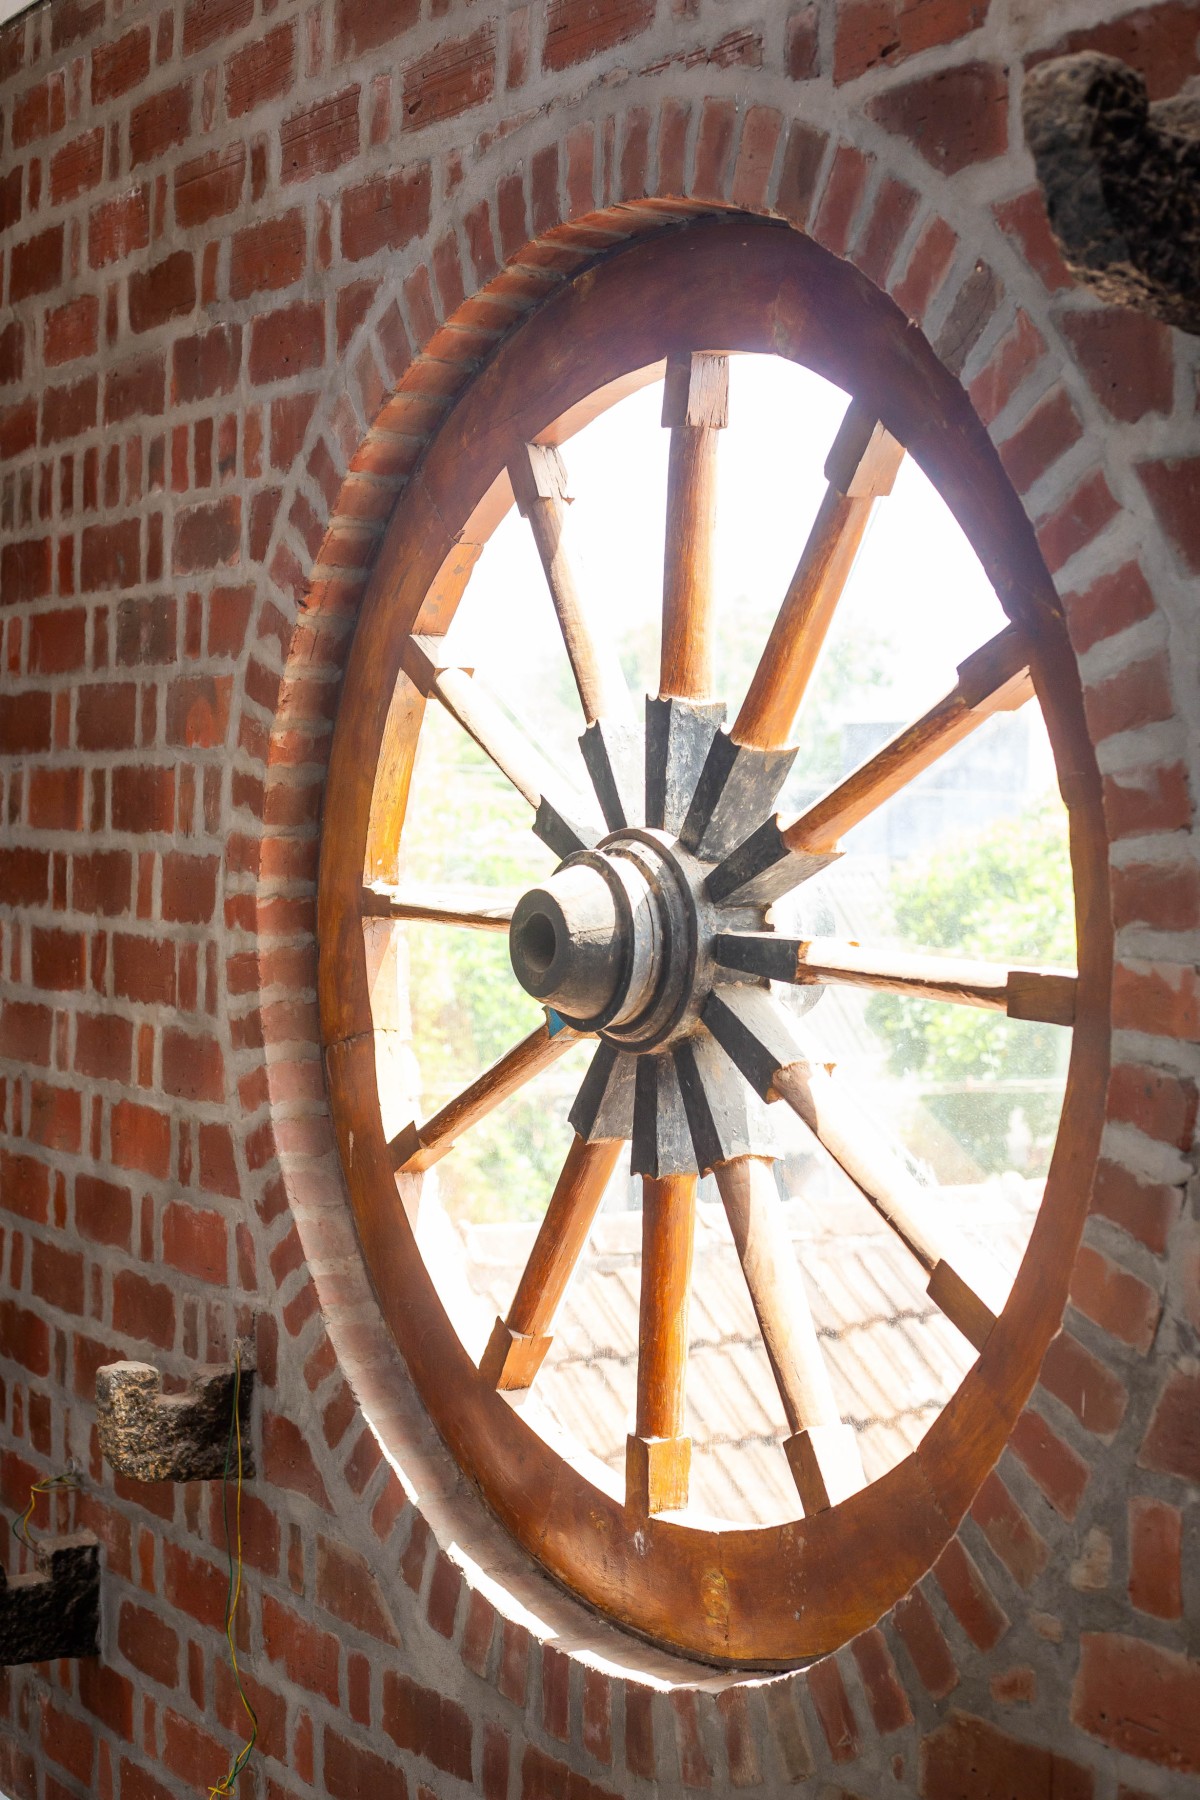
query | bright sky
[917, 583]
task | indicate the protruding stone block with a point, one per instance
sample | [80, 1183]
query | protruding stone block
[56, 1610]
[152, 1436]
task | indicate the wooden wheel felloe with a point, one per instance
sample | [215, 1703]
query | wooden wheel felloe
[654, 938]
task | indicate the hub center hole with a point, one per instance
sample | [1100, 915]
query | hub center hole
[539, 941]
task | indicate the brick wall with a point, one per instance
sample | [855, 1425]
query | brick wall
[249, 250]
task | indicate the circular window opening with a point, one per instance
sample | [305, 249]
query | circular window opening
[698, 897]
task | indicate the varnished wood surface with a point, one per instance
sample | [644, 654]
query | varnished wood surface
[755, 1596]
[539, 482]
[478, 909]
[994, 679]
[668, 1238]
[847, 1133]
[861, 467]
[563, 1233]
[1041, 994]
[776, 1288]
[419, 1146]
[695, 400]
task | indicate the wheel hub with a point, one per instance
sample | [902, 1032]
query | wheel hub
[618, 940]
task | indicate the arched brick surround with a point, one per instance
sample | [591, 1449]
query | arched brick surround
[400, 1643]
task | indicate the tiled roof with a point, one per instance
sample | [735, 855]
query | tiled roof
[894, 1359]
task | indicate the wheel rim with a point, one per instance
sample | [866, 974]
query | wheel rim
[694, 1054]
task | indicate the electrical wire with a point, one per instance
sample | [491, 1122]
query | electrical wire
[226, 1784]
[50, 1484]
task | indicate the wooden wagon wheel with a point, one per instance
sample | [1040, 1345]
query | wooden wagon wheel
[654, 935]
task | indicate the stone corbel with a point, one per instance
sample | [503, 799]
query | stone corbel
[55, 1611]
[1121, 177]
[151, 1436]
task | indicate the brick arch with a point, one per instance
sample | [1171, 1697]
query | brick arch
[863, 1711]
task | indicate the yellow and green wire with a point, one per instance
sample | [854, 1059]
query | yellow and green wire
[226, 1784]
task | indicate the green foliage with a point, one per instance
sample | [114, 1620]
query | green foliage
[1005, 896]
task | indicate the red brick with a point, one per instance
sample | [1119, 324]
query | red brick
[26, 570]
[1020, 1548]
[103, 1046]
[141, 1138]
[346, 1588]
[1172, 1442]
[209, 186]
[1080, 518]
[1024, 219]
[144, 969]
[205, 537]
[1171, 483]
[352, 1772]
[24, 875]
[1145, 1209]
[971, 1600]
[831, 1702]
[288, 1460]
[579, 29]
[428, 1723]
[286, 342]
[927, 268]
[107, 1695]
[871, 33]
[18, 429]
[309, 1656]
[71, 331]
[545, 1778]
[24, 1187]
[881, 1683]
[56, 799]
[1139, 694]
[1059, 1472]
[1127, 358]
[207, 22]
[321, 137]
[24, 1338]
[166, 291]
[12, 351]
[77, 167]
[1158, 40]
[36, 265]
[954, 118]
[1047, 434]
[117, 228]
[362, 25]
[454, 76]
[802, 158]
[120, 65]
[143, 799]
[135, 388]
[269, 254]
[193, 1067]
[25, 1030]
[159, 123]
[1150, 799]
[197, 1242]
[802, 48]
[970, 1759]
[143, 1310]
[39, 112]
[149, 1643]
[1159, 1103]
[57, 958]
[25, 723]
[1155, 1550]
[206, 364]
[110, 557]
[1092, 1392]
[57, 644]
[385, 213]
[1139, 1699]
[106, 716]
[195, 1585]
[55, 1118]
[1110, 605]
[261, 71]
[1161, 998]
[103, 1212]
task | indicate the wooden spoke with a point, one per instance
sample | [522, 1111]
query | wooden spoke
[539, 484]
[994, 679]
[658, 1455]
[852, 1141]
[556, 815]
[419, 1146]
[860, 470]
[1043, 994]
[519, 1342]
[821, 1450]
[695, 407]
[480, 909]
